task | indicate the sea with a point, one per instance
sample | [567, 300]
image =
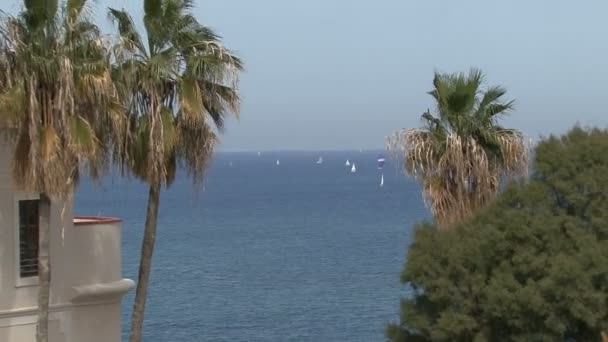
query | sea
[298, 251]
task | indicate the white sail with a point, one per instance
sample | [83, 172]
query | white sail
[320, 161]
[353, 169]
[278, 163]
[382, 180]
[347, 162]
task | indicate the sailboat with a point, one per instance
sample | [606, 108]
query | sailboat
[320, 161]
[347, 162]
[278, 163]
[382, 180]
[353, 169]
[381, 162]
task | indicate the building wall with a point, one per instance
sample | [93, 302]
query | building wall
[12, 295]
[86, 275]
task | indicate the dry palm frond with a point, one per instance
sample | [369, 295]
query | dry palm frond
[458, 174]
[514, 149]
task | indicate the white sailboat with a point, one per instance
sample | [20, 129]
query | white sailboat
[278, 163]
[382, 180]
[347, 162]
[353, 169]
[320, 161]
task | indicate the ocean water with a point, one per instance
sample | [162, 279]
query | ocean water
[295, 252]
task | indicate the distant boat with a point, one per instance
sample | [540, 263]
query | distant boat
[381, 162]
[278, 162]
[320, 161]
[347, 162]
[353, 169]
[259, 153]
[382, 180]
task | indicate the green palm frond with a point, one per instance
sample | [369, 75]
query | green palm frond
[153, 8]
[83, 136]
[39, 14]
[219, 101]
[126, 29]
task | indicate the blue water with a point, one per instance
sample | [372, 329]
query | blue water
[296, 252]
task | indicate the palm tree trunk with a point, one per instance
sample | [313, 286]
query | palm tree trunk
[44, 270]
[145, 263]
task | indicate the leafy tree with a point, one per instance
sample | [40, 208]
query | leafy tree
[462, 153]
[532, 266]
[178, 87]
[58, 107]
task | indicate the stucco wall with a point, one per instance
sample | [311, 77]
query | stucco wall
[99, 256]
[13, 295]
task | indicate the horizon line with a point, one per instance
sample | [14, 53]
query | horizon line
[299, 150]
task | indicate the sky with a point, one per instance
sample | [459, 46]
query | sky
[344, 74]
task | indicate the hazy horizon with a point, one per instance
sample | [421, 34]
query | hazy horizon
[303, 150]
[340, 75]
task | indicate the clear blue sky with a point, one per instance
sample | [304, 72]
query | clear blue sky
[330, 74]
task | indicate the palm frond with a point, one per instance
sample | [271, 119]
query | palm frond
[127, 31]
[153, 8]
[74, 9]
[39, 13]
[461, 155]
[83, 136]
[494, 111]
[190, 99]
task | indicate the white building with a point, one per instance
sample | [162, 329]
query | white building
[86, 280]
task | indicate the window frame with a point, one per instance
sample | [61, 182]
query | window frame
[18, 197]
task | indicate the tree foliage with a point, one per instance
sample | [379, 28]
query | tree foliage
[57, 99]
[462, 153]
[532, 266]
[177, 86]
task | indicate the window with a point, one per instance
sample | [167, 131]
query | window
[28, 237]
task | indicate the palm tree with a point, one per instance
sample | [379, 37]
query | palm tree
[176, 89]
[462, 154]
[57, 105]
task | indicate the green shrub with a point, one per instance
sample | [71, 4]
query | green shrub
[532, 266]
